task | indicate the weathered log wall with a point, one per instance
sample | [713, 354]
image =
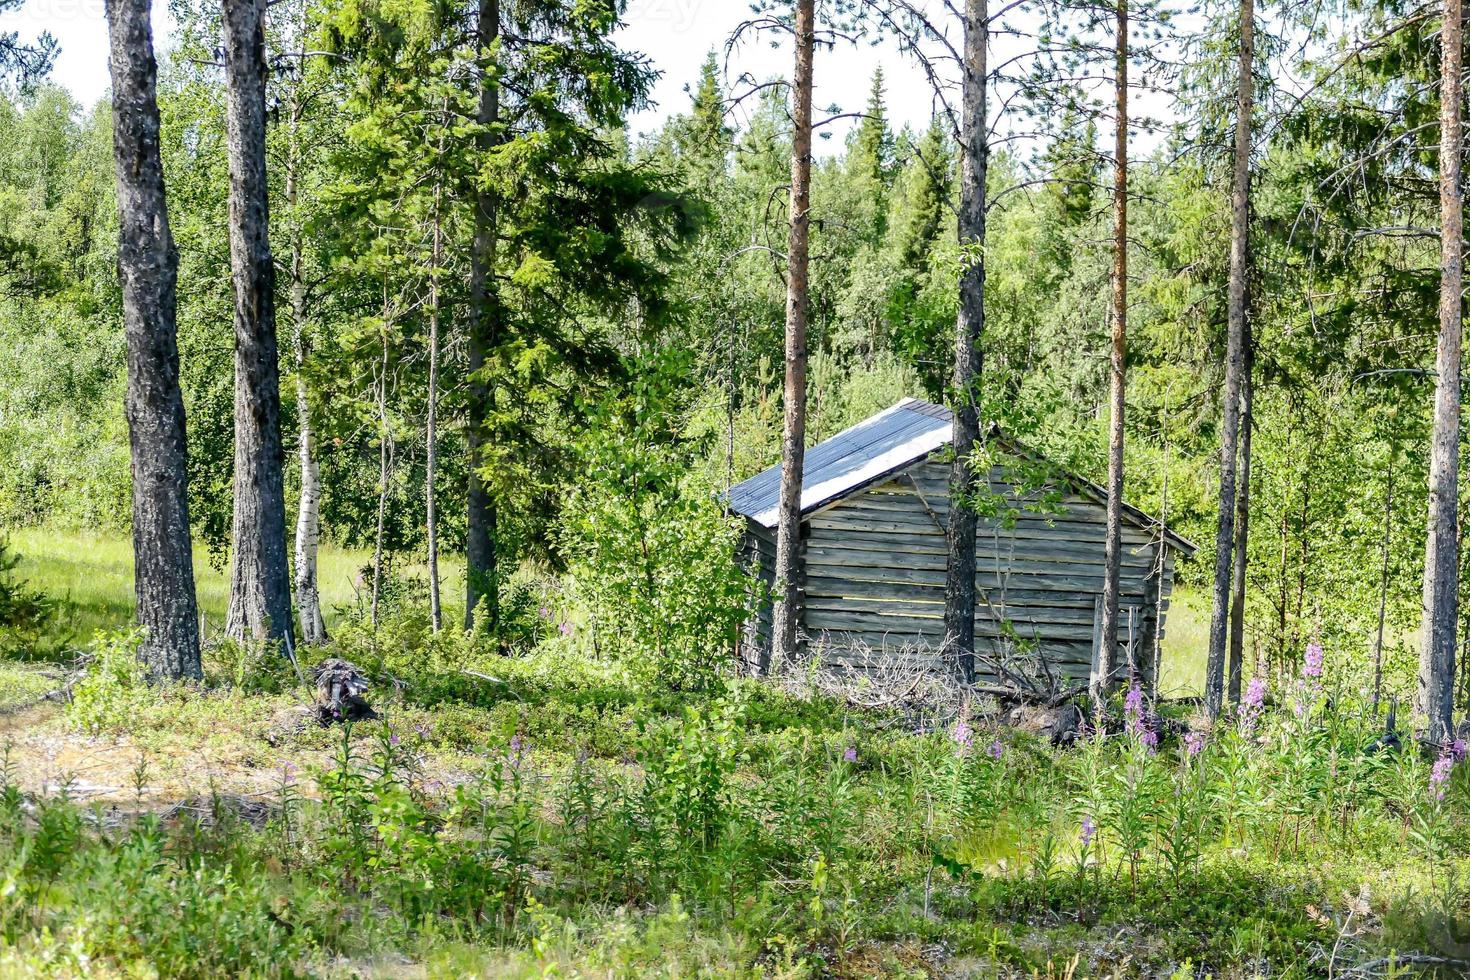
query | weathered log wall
[875, 571]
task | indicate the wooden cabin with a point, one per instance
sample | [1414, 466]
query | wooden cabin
[875, 505]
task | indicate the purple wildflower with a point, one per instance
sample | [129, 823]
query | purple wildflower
[1149, 739]
[288, 772]
[544, 612]
[1439, 776]
[850, 755]
[996, 749]
[393, 740]
[1133, 703]
[962, 735]
[1252, 704]
[515, 744]
[1458, 749]
[1194, 744]
[1088, 830]
[1312, 666]
[567, 627]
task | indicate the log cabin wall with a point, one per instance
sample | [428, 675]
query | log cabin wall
[875, 571]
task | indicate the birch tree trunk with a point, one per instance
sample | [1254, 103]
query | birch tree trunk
[308, 513]
[1435, 694]
[959, 585]
[163, 568]
[1242, 524]
[260, 588]
[1102, 678]
[793, 440]
[484, 322]
[1236, 302]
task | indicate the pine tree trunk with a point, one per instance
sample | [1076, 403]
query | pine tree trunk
[385, 455]
[431, 421]
[1236, 301]
[959, 583]
[163, 566]
[793, 440]
[308, 513]
[1102, 678]
[1441, 561]
[260, 586]
[484, 322]
[1242, 525]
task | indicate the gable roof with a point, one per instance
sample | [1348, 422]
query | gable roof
[877, 448]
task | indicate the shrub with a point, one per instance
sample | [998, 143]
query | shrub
[27, 618]
[653, 560]
[114, 687]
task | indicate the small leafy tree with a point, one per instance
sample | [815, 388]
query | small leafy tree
[25, 615]
[653, 557]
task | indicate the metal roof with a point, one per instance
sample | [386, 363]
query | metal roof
[875, 449]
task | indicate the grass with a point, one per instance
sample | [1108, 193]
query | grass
[550, 813]
[90, 576]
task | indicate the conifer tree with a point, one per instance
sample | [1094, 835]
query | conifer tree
[260, 589]
[163, 570]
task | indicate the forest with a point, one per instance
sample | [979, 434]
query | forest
[375, 398]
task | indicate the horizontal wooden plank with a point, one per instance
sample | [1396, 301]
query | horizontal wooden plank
[1027, 576]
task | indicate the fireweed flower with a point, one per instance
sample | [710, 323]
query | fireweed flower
[996, 750]
[850, 755]
[1439, 776]
[962, 735]
[1194, 744]
[1312, 666]
[1149, 740]
[567, 627]
[1458, 749]
[1088, 830]
[544, 612]
[1251, 705]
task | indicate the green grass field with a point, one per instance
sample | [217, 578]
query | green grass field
[90, 576]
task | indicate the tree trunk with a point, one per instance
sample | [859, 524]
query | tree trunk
[484, 328]
[1383, 582]
[308, 514]
[1237, 301]
[793, 441]
[1441, 561]
[431, 421]
[959, 583]
[385, 456]
[260, 586]
[1113, 545]
[163, 565]
[1242, 524]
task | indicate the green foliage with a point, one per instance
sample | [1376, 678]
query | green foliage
[27, 618]
[653, 561]
[114, 686]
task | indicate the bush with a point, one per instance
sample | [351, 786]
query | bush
[27, 618]
[114, 687]
[653, 561]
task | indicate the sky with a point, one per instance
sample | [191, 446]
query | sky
[675, 34]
